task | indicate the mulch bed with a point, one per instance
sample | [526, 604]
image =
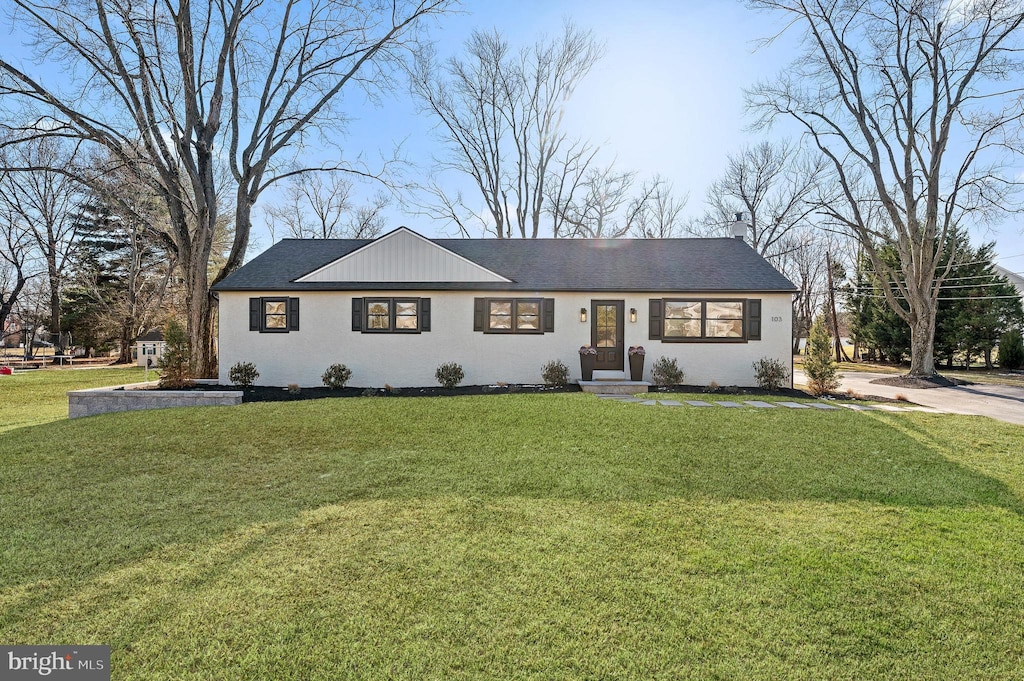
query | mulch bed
[917, 382]
[276, 394]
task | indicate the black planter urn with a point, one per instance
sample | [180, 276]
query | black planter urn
[636, 367]
[587, 366]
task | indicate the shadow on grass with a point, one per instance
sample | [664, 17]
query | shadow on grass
[90, 495]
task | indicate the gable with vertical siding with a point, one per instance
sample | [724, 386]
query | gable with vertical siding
[402, 256]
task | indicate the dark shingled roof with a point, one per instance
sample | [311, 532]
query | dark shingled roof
[669, 265]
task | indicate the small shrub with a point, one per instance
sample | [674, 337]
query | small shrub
[820, 366]
[514, 387]
[294, 389]
[900, 397]
[712, 387]
[449, 374]
[370, 392]
[243, 374]
[555, 373]
[770, 374]
[1011, 350]
[665, 372]
[336, 376]
[176, 363]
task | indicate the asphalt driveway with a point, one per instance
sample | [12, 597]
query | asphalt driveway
[1002, 402]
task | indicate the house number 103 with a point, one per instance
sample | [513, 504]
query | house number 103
[776, 319]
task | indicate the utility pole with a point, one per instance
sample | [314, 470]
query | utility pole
[841, 355]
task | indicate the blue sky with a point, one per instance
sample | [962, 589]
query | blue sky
[666, 98]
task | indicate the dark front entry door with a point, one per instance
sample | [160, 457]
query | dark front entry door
[606, 333]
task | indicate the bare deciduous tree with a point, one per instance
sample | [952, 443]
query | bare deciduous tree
[16, 247]
[181, 88]
[661, 210]
[321, 207]
[601, 208]
[914, 104]
[43, 202]
[500, 117]
[122, 267]
[776, 187]
[603, 205]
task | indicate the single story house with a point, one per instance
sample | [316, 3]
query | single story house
[394, 308]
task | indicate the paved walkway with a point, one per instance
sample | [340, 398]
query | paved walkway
[758, 404]
[1001, 402]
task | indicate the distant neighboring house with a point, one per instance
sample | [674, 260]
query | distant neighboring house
[149, 348]
[1015, 279]
[394, 308]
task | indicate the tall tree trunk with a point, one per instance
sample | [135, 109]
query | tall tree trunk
[922, 344]
[126, 340]
[54, 323]
[197, 304]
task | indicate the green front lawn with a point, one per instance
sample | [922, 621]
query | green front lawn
[38, 396]
[518, 536]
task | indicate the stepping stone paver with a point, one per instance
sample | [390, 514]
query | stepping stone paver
[760, 404]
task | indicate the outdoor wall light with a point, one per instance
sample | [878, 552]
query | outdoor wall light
[583, 314]
[632, 315]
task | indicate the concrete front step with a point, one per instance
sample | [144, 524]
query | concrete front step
[614, 387]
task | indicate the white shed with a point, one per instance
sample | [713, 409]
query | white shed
[149, 349]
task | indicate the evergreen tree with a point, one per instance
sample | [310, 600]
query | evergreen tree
[122, 273]
[1011, 350]
[976, 305]
[819, 365]
[176, 371]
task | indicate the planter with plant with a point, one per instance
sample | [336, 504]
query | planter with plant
[636, 362]
[588, 357]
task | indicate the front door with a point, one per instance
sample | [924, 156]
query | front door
[606, 333]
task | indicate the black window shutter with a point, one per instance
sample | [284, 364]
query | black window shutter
[293, 314]
[478, 313]
[754, 319]
[357, 314]
[254, 314]
[549, 315]
[654, 318]
[424, 314]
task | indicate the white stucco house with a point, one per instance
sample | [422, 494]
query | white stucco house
[394, 308]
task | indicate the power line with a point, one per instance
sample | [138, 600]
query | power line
[897, 295]
[868, 287]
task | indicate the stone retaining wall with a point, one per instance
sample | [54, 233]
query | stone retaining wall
[129, 398]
